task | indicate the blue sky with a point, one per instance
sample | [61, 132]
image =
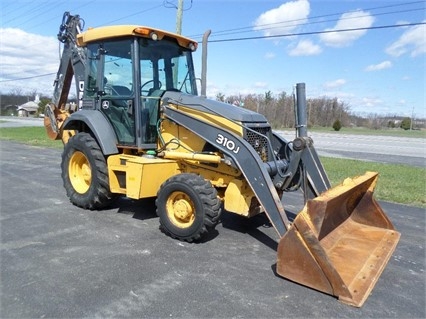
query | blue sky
[373, 70]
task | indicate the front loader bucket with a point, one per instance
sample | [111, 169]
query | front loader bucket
[340, 242]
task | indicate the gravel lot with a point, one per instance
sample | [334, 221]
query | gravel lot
[59, 261]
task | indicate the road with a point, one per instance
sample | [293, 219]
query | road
[384, 149]
[59, 261]
[14, 121]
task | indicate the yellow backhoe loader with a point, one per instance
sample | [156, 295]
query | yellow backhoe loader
[139, 129]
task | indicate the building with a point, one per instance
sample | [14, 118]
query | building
[29, 108]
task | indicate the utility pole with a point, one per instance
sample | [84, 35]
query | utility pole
[179, 14]
[179, 17]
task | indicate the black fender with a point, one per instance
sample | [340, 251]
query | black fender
[99, 126]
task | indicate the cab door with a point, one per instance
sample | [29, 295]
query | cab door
[117, 98]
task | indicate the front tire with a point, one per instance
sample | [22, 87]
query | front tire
[188, 207]
[85, 173]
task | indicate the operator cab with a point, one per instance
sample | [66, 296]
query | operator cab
[126, 78]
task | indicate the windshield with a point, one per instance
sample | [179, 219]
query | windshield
[164, 65]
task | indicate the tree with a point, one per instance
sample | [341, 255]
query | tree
[405, 123]
[32, 94]
[268, 97]
[42, 105]
[279, 109]
[391, 124]
[220, 97]
[16, 92]
[337, 125]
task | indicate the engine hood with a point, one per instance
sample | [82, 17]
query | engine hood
[203, 104]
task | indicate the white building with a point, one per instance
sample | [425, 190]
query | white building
[29, 108]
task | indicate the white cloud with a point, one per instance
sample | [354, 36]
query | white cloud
[270, 55]
[379, 66]
[305, 47]
[334, 84]
[371, 101]
[412, 41]
[260, 85]
[283, 19]
[26, 59]
[212, 89]
[350, 20]
[402, 22]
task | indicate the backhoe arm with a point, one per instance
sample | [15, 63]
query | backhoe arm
[73, 63]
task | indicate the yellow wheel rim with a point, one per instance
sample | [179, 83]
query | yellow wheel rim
[180, 209]
[80, 173]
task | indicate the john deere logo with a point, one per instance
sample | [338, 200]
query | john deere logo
[105, 105]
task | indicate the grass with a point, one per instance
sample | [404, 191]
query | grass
[397, 183]
[33, 135]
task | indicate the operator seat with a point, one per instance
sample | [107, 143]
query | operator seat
[120, 115]
[121, 90]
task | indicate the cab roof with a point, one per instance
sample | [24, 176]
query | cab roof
[109, 32]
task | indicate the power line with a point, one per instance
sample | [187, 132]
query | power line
[273, 36]
[29, 16]
[33, 14]
[170, 5]
[270, 25]
[319, 32]
[133, 14]
[29, 77]
[347, 18]
[41, 23]
[37, 7]
[309, 23]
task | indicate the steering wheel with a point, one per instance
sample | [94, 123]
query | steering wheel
[147, 82]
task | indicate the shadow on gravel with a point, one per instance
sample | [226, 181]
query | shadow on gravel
[252, 226]
[144, 209]
[141, 209]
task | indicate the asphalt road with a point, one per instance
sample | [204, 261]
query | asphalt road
[383, 149]
[14, 121]
[59, 261]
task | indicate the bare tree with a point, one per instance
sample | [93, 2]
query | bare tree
[279, 109]
[16, 92]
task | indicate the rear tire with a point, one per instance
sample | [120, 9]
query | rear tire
[188, 207]
[85, 173]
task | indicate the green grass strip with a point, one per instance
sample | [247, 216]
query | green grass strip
[397, 183]
[33, 135]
